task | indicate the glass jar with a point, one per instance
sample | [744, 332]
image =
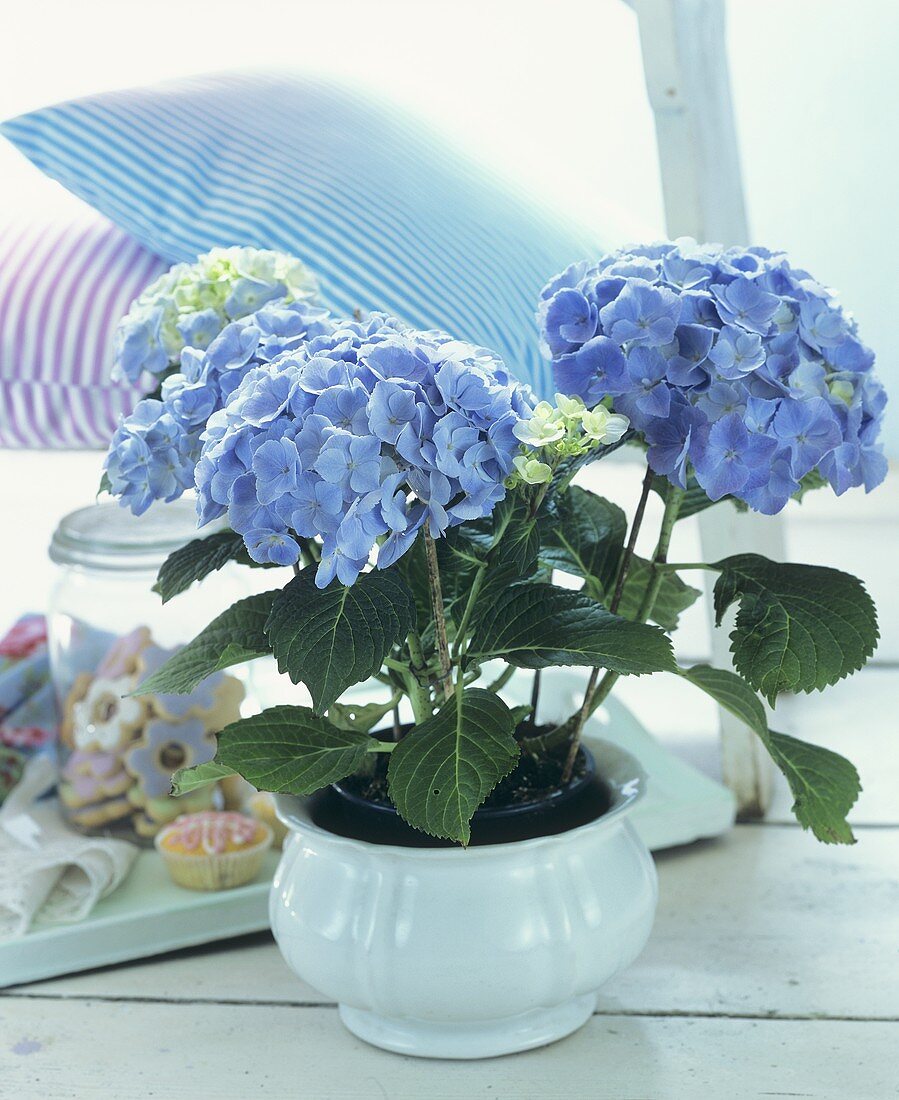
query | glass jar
[108, 631]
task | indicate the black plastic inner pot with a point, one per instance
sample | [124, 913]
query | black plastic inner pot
[343, 811]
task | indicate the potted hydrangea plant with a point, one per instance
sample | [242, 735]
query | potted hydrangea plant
[462, 876]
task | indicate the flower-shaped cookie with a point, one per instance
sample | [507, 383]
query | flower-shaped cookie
[105, 719]
[164, 748]
[91, 777]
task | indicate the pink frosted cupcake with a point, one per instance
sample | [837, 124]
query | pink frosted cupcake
[214, 850]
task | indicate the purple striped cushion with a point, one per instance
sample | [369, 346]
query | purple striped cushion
[63, 288]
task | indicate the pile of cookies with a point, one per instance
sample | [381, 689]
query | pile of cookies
[120, 751]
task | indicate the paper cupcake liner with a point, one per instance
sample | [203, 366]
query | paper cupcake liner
[217, 870]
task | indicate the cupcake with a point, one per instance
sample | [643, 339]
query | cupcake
[261, 806]
[214, 850]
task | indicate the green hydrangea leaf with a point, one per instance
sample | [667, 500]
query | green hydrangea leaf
[674, 596]
[584, 535]
[824, 784]
[291, 749]
[731, 692]
[195, 561]
[331, 638]
[350, 716]
[538, 625]
[235, 636]
[186, 780]
[516, 541]
[799, 627]
[444, 768]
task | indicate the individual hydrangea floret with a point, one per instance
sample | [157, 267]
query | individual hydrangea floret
[154, 451]
[731, 363]
[360, 438]
[190, 304]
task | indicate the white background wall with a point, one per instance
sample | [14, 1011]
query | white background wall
[552, 92]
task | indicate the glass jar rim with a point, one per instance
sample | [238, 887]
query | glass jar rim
[106, 536]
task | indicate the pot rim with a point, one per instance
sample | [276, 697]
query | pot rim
[621, 772]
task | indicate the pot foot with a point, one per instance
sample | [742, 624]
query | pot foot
[477, 1039]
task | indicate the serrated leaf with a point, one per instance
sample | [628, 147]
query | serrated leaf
[538, 625]
[444, 768]
[331, 638]
[799, 627]
[195, 561]
[186, 780]
[824, 784]
[584, 535]
[236, 635]
[350, 716]
[291, 749]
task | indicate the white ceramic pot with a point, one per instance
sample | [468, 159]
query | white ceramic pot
[455, 953]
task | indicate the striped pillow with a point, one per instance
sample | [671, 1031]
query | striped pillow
[383, 210]
[63, 287]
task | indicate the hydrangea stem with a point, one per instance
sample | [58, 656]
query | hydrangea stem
[627, 556]
[443, 652]
[419, 695]
[594, 695]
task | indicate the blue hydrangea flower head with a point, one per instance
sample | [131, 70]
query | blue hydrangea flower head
[154, 451]
[190, 304]
[361, 437]
[733, 364]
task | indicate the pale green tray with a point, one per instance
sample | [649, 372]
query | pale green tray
[147, 915]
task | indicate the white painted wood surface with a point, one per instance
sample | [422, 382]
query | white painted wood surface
[231, 1052]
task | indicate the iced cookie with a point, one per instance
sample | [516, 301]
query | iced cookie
[163, 749]
[106, 719]
[215, 850]
[76, 693]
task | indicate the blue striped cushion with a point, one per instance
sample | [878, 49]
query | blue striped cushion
[386, 212]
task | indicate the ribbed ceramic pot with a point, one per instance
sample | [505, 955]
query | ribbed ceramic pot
[467, 953]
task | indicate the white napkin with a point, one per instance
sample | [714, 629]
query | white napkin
[47, 871]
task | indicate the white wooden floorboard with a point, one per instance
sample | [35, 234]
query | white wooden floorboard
[224, 1051]
[765, 922]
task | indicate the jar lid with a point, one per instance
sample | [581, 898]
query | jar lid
[107, 536]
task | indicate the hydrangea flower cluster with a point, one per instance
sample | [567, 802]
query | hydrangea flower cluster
[190, 304]
[361, 437]
[567, 429]
[154, 451]
[729, 361]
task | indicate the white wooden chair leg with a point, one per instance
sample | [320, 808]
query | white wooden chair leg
[687, 77]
